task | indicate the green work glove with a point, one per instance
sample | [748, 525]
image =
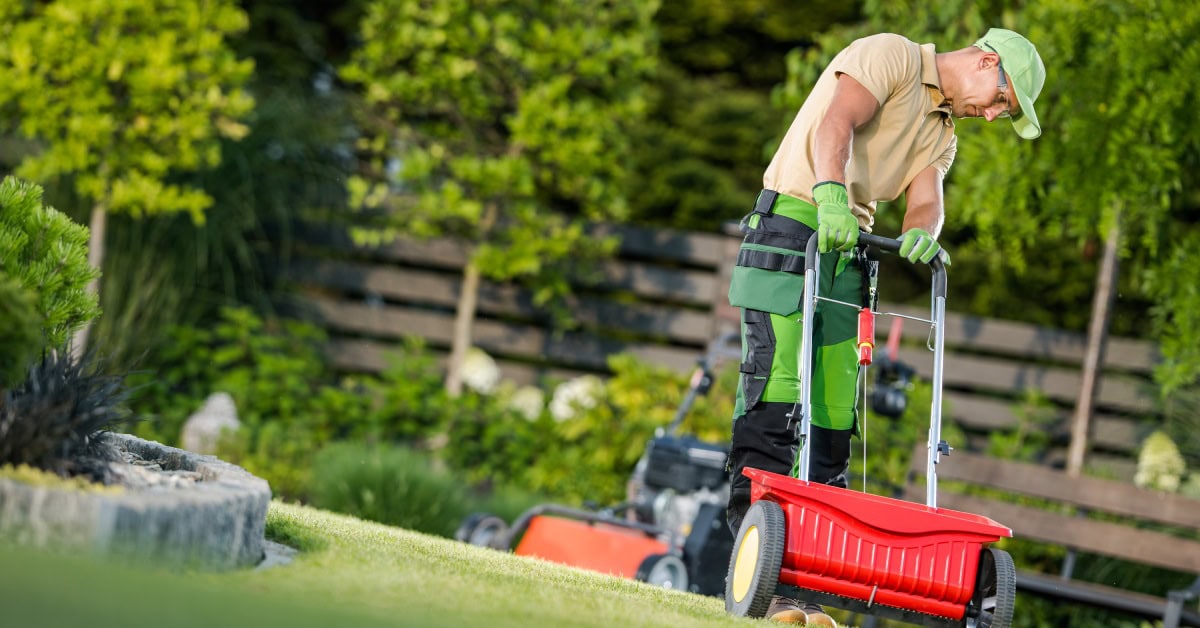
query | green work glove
[918, 246]
[837, 228]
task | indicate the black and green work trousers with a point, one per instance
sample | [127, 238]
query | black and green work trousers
[768, 285]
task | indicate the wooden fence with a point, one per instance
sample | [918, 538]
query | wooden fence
[663, 299]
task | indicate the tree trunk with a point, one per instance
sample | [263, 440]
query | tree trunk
[1093, 358]
[464, 320]
[99, 221]
[464, 315]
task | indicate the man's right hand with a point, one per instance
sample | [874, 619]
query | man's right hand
[837, 228]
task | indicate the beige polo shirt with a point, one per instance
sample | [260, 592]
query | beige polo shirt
[911, 131]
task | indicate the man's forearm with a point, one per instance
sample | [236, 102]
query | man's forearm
[834, 136]
[929, 217]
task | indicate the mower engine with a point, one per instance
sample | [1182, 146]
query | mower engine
[674, 478]
[680, 486]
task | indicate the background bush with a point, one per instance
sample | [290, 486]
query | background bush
[289, 402]
[20, 331]
[403, 487]
[47, 254]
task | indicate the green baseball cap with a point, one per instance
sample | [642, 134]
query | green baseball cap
[1024, 67]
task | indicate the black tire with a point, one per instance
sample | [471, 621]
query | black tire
[995, 595]
[664, 570]
[756, 559]
[468, 525]
[482, 529]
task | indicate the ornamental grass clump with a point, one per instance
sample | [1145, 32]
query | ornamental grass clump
[53, 419]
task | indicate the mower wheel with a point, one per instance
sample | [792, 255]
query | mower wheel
[995, 591]
[757, 557]
[663, 570]
[482, 529]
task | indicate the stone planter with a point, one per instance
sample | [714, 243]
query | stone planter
[176, 508]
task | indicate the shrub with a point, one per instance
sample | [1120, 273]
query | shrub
[407, 488]
[391, 485]
[20, 331]
[52, 419]
[290, 403]
[46, 254]
[585, 449]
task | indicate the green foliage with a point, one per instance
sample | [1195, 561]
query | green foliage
[1119, 144]
[1182, 411]
[1031, 436]
[288, 400]
[588, 456]
[165, 270]
[1120, 136]
[46, 253]
[890, 442]
[51, 420]
[702, 149]
[701, 154]
[122, 94]
[275, 374]
[746, 38]
[503, 124]
[390, 485]
[407, 488]
[1173, 285]
[20, 331]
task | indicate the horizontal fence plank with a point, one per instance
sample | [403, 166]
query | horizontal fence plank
[979, 413]
[970, 372]
[675, 323]
[1119, 498]
[1023, 340]
[691, 248]
[1100, 537]
[371, 356]
[665, 245]
[682, 285]
[571, 349]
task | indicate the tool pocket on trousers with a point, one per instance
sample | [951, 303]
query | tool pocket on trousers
[760, 353]
[769, 274]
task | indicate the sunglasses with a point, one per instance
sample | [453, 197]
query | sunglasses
[1002, 83]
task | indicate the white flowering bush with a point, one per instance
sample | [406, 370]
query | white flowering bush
[1160, 465]
[572, 396]
[529, 401]
[479, 371]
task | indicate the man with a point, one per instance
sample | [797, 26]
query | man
[879, 123]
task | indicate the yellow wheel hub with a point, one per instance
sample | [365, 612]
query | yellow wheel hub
[745, 564]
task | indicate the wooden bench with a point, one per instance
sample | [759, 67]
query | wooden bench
[1129, 540]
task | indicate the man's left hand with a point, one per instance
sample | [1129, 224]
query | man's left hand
[917, 245]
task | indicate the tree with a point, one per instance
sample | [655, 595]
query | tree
[1123, 107]
[164, 270]
[503, 124]
[711, 129]
[120, 96]
[1119, 147]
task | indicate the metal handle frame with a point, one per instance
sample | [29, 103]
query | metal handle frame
[812, 268]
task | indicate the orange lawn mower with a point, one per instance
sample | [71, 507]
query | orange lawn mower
[861, 552]
[670, 531]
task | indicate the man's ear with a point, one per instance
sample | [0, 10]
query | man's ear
[988, 60]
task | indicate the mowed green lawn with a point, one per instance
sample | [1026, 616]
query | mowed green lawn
[350, 573]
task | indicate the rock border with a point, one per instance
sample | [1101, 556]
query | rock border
[216, 523]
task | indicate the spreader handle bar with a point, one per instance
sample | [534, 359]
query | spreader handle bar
[812, 270]
[937, 264]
